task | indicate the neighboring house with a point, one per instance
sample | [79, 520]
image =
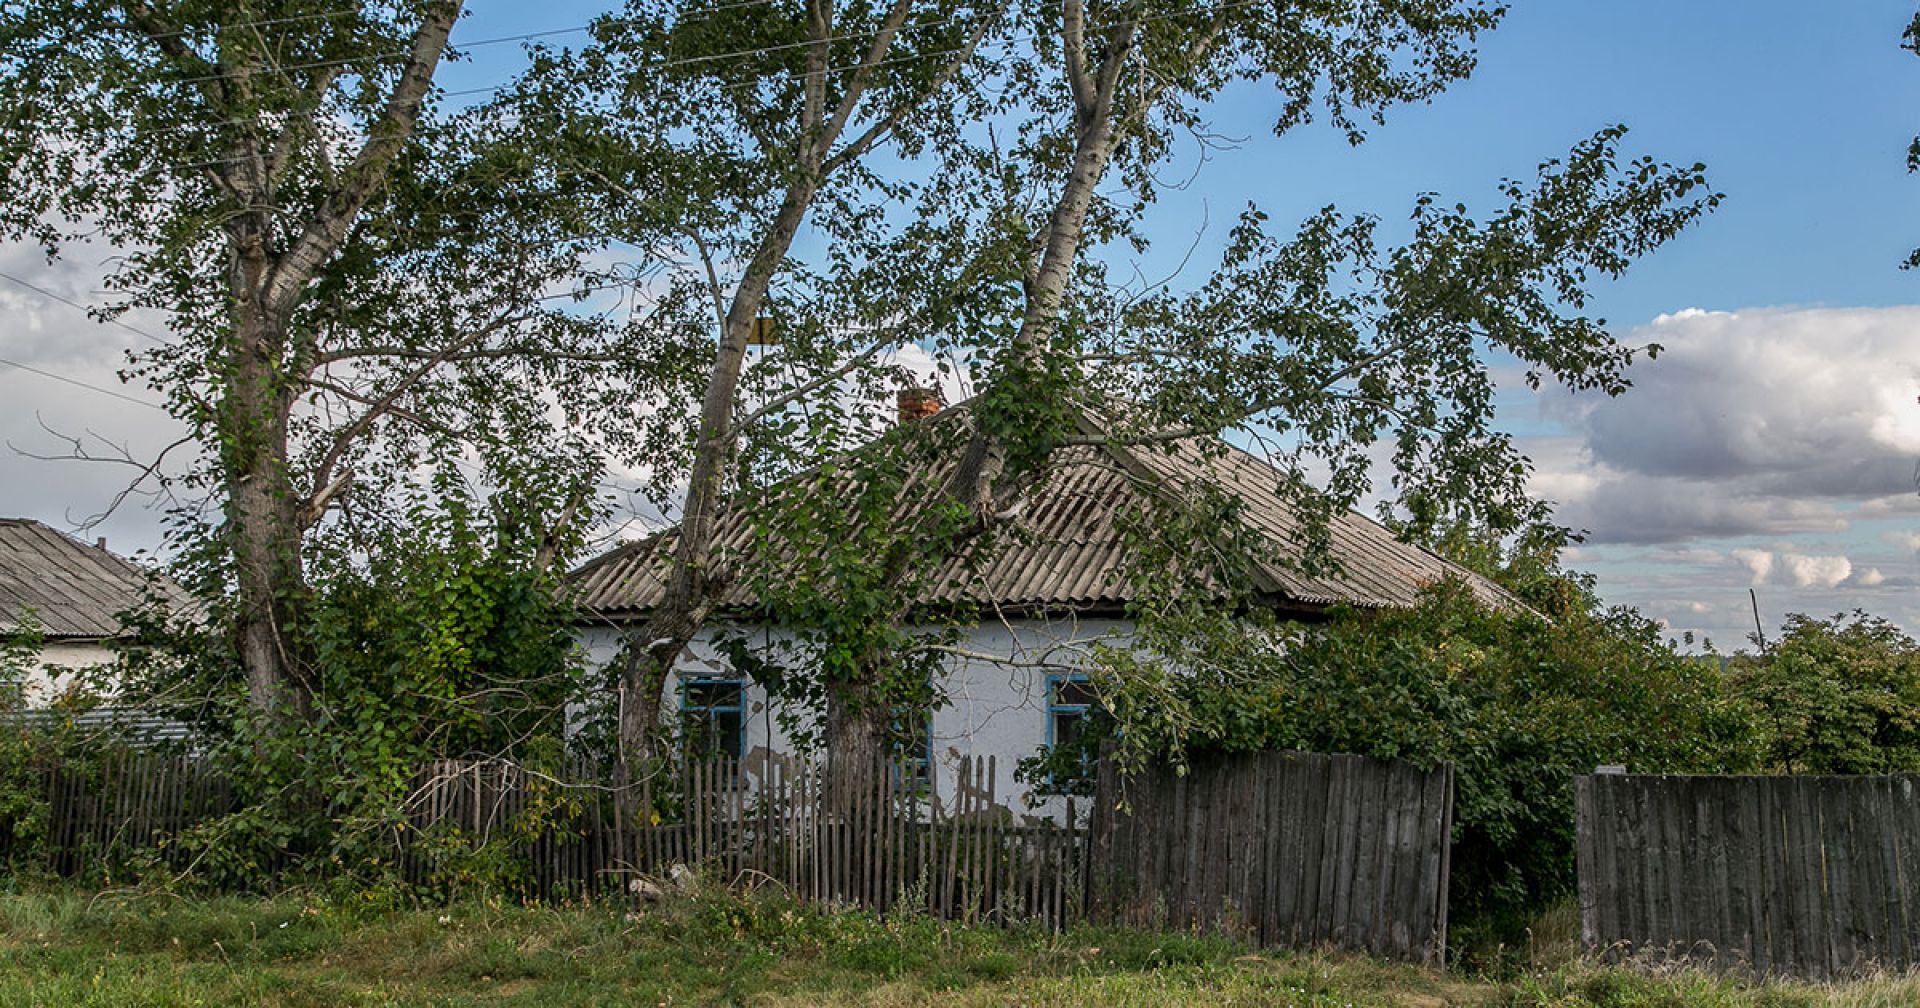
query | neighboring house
[1056, 585]
[69, 594]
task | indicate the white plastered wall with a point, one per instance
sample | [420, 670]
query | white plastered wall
[994, 681]
[53, 670]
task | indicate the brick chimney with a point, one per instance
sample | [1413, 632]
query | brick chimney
[916, 403]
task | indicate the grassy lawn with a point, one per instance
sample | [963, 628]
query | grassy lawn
[62, 947]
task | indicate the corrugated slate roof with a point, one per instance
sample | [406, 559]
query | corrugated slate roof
[1066, 549]
[70, 588]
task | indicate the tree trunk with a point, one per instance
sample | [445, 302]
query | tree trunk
[263, 521]
[261, 371]
[857, 751]
[691, 587]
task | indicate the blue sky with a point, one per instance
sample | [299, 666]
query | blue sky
[1772, 448]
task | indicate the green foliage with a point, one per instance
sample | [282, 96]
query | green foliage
[1517, 703]
[1838, 696]
[842, 579]
[448, 642]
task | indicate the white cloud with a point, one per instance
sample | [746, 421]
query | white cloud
[1816, 571]
[1869, 578]
[1758, 562]
[1764, 422]
[47, 334]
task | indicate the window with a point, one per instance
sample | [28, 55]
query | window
[1070, 702]
[713, 718]
[910, 743]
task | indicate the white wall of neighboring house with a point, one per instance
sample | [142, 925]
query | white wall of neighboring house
[51, 672]
[996, 690]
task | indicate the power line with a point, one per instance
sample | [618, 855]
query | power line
[248, 24]
[730, 86]
[667, 64]
[662, 65]
[393, 54]
[85, 385]
[75, 304]
[499, 40]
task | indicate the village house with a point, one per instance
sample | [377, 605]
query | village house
[66, 597]
[1015, 680]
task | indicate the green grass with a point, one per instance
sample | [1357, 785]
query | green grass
[63, 947]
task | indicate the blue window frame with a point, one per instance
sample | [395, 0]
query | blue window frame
[1070, 702]
[910, 737]
[713, 717]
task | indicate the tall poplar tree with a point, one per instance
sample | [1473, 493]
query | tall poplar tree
[358, 282]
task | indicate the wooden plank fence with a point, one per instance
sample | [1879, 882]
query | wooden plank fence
[560, 836]
[1289, 849]
[1279, 848]
[122, 801]
[1809, 876]
[888, 847]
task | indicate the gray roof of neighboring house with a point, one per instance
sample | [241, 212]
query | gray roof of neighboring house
[1068, 548]
[69, 588]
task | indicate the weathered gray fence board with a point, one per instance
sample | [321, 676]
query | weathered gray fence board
[1792, 875]
[1284, 848]
[884, 844]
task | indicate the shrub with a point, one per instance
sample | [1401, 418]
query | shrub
[1838, 696]
[1517, 702]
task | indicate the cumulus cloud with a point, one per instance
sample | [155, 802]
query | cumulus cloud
[1816, 571]
[1763, 422]
[1757, 562]
[1869, 578]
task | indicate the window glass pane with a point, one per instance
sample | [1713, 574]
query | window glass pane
[1070, 702]
[705, 693]
[713, 717]
[1076, 692]
[1067, 726]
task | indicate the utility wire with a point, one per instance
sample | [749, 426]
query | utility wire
[852, 67]
[30, 369]
[729, 86]
[316, 16]
[661, 65]
[75, 304]
[456, 46]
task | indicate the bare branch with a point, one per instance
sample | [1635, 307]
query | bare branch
[122, 455]
[713, 279]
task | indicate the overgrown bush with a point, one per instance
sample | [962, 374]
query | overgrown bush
[445, 641]
[1837, 696]
[37, 744]
[1518, 701]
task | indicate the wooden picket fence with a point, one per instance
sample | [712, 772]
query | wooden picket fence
[891, 846]
[121, 801]
[571, 835]
[1295, 849]
[1810, 876]
[1279, 848]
